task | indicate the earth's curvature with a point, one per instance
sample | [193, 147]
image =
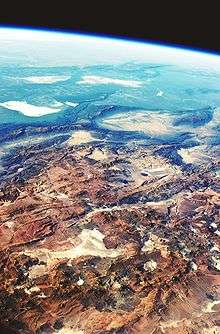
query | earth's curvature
[109, 186]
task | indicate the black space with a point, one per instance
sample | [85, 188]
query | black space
[170, 22]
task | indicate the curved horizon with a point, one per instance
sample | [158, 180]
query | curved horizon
[121, 38]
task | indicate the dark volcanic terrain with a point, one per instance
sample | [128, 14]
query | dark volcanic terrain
[98, 238]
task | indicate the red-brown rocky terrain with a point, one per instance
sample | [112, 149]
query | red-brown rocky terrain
[101, 240]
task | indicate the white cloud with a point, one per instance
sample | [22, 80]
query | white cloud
[50, 79]
[94, 80]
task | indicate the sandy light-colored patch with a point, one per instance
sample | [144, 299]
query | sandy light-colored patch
[209, 307]
[194, 155]
[81, 137]
[91, 245]
[37, 270]
[174, 324]
[150, 123]
[156, 243]
[99, 154]
[212, 330]
[69, 330]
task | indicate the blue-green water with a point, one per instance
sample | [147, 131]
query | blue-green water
[165, 100]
